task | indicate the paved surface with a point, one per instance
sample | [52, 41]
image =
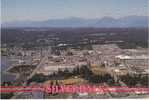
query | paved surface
[37, 68]
[32, 74]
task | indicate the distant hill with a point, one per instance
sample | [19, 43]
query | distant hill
[128, 21]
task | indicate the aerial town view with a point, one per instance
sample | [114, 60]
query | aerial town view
[52, 55]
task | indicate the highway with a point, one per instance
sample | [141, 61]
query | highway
[32, 74]
[38, 67]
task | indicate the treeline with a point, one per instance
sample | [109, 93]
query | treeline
[132, 37]
[83, 72]
[134, 80]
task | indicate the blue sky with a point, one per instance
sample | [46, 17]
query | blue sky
[13, 10]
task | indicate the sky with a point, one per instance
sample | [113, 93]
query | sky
[38, 10]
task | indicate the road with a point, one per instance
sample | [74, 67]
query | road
[33, 73]
[38, 67]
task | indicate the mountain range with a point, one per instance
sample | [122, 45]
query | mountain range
[106, 22]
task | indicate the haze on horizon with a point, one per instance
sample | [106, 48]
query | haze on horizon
[38, 10]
